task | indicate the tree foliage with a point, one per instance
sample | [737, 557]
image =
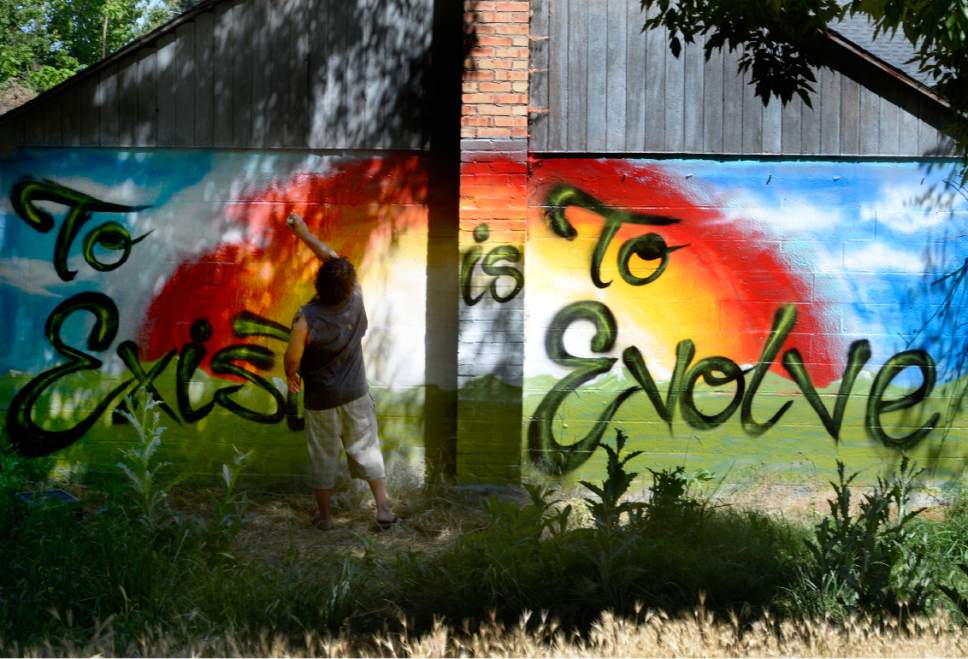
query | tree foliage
[44, 42]
[783, 40]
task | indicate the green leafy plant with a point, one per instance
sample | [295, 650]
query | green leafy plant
[960, 601]
[140, 465]
[872, 561]
[229, 508]
[607, 509]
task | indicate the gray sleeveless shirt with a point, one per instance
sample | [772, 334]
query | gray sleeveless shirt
[332, 364]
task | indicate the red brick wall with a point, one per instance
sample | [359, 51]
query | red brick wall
[495, 86]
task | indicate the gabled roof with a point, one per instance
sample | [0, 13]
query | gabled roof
[893, 49]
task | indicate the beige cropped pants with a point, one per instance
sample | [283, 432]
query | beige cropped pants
[352, 426]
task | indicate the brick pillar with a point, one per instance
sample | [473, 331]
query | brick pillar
[493, 207]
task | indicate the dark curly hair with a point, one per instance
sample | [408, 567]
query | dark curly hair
[335, 280]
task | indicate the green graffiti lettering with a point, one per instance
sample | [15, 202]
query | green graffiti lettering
[490, 267]
[544, 450]
[246, 323]
[128, 352]
[650, 247]
[224, 363]
[783, 322]
[110, 235]
[25, 435]
[189, 359]
[562, 196]
[471, 257]
[707, 369]
[632, 358]
[858, 355]
[876, 405]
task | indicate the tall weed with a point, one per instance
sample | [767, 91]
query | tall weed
[871, 562]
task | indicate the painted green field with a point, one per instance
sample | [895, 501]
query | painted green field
[796, 450]
[199, 449]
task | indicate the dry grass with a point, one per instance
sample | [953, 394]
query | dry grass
[649, 635]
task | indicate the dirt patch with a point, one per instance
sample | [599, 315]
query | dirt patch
[278, 524]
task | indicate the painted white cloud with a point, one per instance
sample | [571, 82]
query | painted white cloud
[793, 214]
[129, 192]
[878, 257]
[898, 207]
[37, 276]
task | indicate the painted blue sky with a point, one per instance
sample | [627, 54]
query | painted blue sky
[876, 237]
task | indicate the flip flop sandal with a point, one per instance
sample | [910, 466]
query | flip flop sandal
[386, 524]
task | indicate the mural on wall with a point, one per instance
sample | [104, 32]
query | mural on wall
[174, 273]
[741, 314]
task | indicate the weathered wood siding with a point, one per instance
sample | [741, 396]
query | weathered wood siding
[321, 74]
[601, 85]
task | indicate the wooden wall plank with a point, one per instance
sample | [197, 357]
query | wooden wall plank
[889, 116]
[907, 132]
[752, 118]
[205, 57]
[71, 118]
[345, 75]
[692, 100]
[147, 128]
[675, 75]
[773, 126]
[617, 74]
[829, 111]
[636, 48]
[167, 74]
[732, 103]
[597, 66]
[184, 85]
[849, 115]
[242, 66]
[279, 42]
[128, 99]
[928, 135]
[538, 84]
[713, 103]
[53, 124]
[868, 121]
[790, 121]
[109, 106]
[321, 84]
[353, 89]
[260, 63]
[558, 40]
[36, 125]
[810, 122]
[223, 67]
[577, 116]
[655, 70]
[376, 93]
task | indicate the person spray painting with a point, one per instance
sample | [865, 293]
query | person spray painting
[324, 356]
